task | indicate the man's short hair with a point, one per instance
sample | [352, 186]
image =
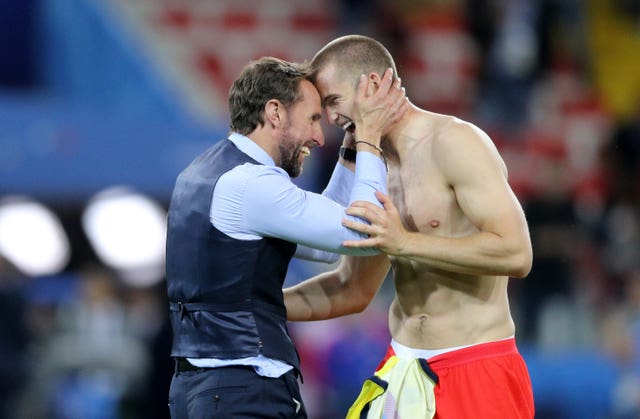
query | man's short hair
[353, 55]
[259, 82]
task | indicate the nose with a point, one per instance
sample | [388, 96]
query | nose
[332, 116]
[318, 136]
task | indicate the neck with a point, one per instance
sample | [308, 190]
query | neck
[393, 139]
[265, 141]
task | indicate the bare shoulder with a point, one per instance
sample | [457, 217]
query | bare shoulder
[456, 133]
[461, 142]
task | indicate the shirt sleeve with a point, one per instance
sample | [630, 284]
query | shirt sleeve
[340, 185]
[264, 202]
[338, 190]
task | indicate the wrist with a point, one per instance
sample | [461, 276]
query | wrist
[372, 137]
[348, 153]
[364, 145]
[348, 140]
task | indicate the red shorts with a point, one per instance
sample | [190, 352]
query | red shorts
[484, 381]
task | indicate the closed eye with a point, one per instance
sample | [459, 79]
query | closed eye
[329, 100]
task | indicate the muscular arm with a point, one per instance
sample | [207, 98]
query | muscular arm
[346, 290]
[472, 167]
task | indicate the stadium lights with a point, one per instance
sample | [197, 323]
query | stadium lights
[127, 230]
[32, 237]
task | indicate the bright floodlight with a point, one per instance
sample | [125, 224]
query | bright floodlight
[127, 230]
[32, 237]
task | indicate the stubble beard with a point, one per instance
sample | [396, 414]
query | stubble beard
[289, 156]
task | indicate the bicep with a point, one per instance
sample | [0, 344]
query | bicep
[478, 176]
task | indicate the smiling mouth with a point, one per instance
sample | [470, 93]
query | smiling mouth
[348, 126]
[305, 151]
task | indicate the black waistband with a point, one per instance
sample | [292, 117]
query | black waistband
[183, 307]
[183, 365]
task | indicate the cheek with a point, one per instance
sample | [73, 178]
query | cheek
[300, 129]
[345, 109]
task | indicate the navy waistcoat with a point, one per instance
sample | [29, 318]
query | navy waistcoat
[225, 294]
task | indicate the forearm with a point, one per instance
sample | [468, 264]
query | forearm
[312, 299]
[348, 289]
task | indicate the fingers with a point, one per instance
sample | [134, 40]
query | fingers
[376, 109]
[398, 95]
[382, 197]
[363, 229]
[364, 210]
[358, 226]
[369, 243]
[386, 83]
[363, 83]
[386, 201]
[385, 89]
[361, 213]
[394, 96]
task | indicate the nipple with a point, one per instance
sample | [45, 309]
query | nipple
[434, 223]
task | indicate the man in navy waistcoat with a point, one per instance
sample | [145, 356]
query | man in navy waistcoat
[235, 221]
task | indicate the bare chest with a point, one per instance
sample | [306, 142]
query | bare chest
[425, 201]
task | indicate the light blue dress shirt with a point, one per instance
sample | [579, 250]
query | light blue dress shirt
[252, 201]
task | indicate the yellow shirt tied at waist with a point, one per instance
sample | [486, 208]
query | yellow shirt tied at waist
[402, 389]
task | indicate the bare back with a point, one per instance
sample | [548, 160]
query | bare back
[434, 307]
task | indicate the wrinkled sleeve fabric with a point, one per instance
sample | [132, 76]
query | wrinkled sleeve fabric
[338, 190]
[253, 201]
[340, 185]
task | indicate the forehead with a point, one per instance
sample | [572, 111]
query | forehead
[310, 95]
[330, 82]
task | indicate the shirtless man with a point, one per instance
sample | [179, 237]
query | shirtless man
[454, 232]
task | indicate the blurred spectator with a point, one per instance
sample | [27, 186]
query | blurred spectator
[619, 228]
[155, 391]
[511, 44]
[91, 362]
[554, 233]
[14, 337]
[520, 41]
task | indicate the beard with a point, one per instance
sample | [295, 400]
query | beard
[290, 155]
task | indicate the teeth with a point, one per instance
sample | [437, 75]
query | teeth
[347, 125]
[305, 151]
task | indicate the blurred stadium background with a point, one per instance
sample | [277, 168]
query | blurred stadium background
[102, 102]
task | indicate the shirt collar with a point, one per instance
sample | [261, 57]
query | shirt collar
[250, 148]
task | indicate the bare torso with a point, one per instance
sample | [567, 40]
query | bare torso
[434, 308]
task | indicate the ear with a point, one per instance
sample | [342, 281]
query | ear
[374, 83]
[273, 112]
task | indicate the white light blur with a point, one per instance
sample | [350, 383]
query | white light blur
[127, 231]
[32, 237]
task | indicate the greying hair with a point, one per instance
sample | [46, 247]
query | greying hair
[259, 82]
